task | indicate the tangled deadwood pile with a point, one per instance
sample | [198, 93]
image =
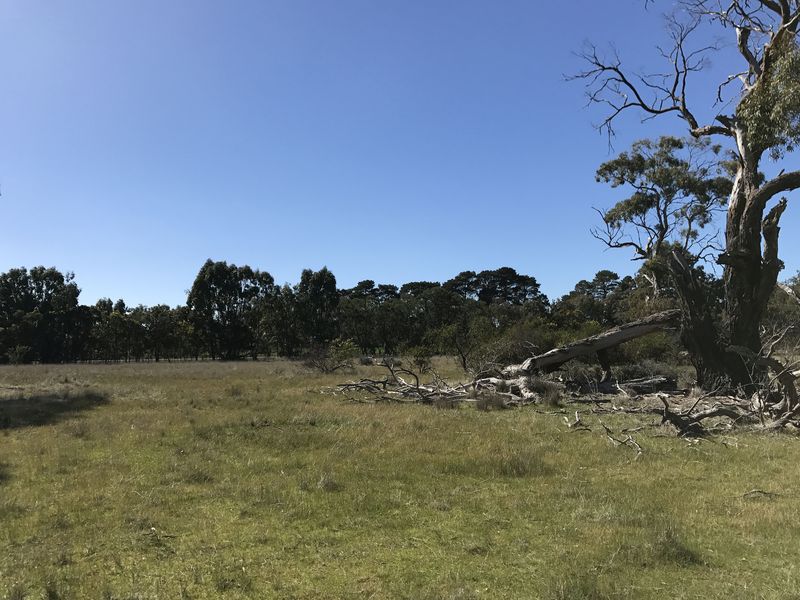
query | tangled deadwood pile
[773, 405]
[516, 384]
[405, 385]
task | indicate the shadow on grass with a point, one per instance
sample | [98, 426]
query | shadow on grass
[4, 476]
[46, 409]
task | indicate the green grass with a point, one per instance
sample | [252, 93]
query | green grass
[241, 480]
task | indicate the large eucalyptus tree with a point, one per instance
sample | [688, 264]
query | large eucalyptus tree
[756, 115]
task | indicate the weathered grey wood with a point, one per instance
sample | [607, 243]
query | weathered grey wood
[789, 291]
[596, 343]
[648, 385]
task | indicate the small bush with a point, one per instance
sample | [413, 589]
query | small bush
[232, 578]
[579, 375]
[532, 336]
[550, 392]
[421, 358]
[659, 346]
[326, 482]
[199, 477]
[19, 355]
[339, 354]
[80, 430]
[391, 361]
[663, 544]
[645, 368]
[51, 591]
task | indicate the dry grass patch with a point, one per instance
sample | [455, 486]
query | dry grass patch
[208, 480]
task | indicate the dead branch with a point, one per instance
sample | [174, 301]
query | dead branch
[789, 291]
[690, 423]
[754, 493]
[517, 387]
[577, 424]
[627, 441]
[553, 359]
[611, 85]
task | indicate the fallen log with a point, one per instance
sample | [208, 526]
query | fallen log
[690, 424]
[783, 375]
[649, 385]
[642, 385]
[556, 357]
[519, 387]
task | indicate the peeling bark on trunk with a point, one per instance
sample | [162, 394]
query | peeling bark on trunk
[742, 256]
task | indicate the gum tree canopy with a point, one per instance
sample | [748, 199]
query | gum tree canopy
[757, 117]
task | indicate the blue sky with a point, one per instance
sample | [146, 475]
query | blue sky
[389, 140]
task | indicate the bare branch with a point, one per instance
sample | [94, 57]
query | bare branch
[609, 84]
[771, 264]
[742, 39]
[613, 237]
[785, 182]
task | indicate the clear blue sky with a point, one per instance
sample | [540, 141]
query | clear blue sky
[393, 140]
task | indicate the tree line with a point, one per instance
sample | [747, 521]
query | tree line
[237, 312]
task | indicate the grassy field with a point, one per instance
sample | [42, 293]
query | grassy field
[242, 480]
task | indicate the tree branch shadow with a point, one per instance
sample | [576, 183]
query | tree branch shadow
[46, 409]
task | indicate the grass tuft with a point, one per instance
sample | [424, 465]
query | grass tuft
[52, 591]
[17, 592]
[235, 391]
[550, 393]
[580, 586]
[327, 483]
[521, 462]
[671, 548]
[232, 577]
[487, 401]
[198, 476]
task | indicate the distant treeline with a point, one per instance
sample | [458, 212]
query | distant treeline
[235, 312]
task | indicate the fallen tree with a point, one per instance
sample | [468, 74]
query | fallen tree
[515, 383]
[774, 405]
[676, 188]
[597, 344]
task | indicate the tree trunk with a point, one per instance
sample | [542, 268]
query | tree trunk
[742, 256]
[751, 272]
[718, 350]
[701, 335]
[556, 357]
